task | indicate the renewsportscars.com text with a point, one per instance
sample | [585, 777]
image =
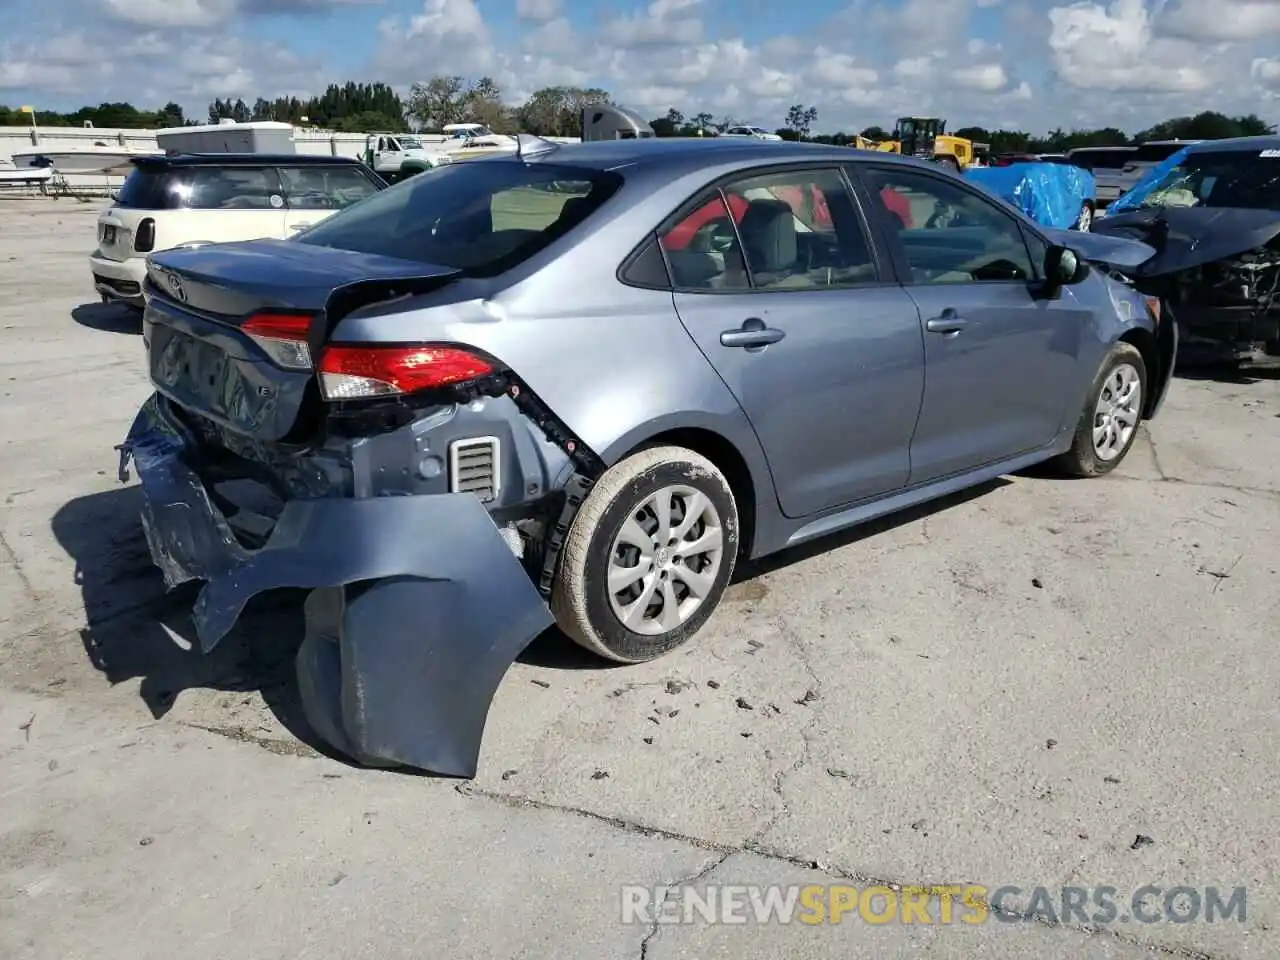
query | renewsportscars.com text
[965, 904]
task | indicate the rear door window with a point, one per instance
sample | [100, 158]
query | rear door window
[801, 230]
[232, 188]
[325, 187]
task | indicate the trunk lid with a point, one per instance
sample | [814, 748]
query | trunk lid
[199, 300]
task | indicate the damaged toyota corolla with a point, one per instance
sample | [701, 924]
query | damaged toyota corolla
[577, 384]
[1211, 213]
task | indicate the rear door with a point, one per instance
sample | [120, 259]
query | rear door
[999, 362]
[313, 192]
[781, 289]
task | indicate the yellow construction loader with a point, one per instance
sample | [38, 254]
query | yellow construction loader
[927, 137]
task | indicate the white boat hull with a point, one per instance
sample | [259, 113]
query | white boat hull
[83, 161]
[25, 175]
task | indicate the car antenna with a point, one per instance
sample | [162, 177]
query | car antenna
[531, 145]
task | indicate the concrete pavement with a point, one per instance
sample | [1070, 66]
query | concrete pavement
[1010, 688]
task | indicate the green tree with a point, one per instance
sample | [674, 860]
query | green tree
[557, 111]
[801, 119]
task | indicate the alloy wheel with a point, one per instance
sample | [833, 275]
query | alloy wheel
[664, 561]
[1115, 416]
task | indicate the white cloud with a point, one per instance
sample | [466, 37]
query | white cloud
[1222, 20]
[538, 11]
[1116, 48]
[987, 77]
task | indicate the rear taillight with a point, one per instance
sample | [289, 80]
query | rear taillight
[283, 336]
[355, 372]
[144, 238]
[1153, 304]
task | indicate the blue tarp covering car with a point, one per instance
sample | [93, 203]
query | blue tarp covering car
[1052, 194]
[1132, 198]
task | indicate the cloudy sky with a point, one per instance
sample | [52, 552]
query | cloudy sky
[1029, 64]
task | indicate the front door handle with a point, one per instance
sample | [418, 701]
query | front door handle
[949, 323]
[753, 334]
[300, 226]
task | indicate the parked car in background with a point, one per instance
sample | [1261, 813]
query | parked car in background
[1212, 210]
[167, 201]
[1107, 166]
[1146, 156]
[755, 133]
[461, 455]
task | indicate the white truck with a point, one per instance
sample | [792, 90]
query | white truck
[395, 156]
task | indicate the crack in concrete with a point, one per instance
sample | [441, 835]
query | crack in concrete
[777, 855]
[1200, 484]
[17, 568]
[692, 878]
[781, 775]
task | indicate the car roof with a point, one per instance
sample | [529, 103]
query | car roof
[1129, 149]
[244, 160]
[1242, 144]
[686, 154]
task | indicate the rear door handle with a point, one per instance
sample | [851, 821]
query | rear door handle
[949, 323]
[753, 334]
[299, 226]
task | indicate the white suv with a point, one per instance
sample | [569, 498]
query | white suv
[216, 198]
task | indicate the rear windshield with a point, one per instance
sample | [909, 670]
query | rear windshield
[483, 216]
[1155, 152]
[304, 187]
[1224, 178]
[1101, 159]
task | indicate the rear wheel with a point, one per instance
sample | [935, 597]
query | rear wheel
[1108, 424]
[648, 556]
[949, 161]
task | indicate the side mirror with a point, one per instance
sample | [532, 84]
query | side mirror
[1063, 266]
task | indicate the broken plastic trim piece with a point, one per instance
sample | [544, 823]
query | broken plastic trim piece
[420, 606]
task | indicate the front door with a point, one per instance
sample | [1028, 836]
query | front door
[999, 359]
[776, 282]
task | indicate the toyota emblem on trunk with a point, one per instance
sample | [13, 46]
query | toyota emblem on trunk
[175, 287]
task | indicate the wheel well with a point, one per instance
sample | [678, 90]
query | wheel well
[1145, 342]
[725, 456]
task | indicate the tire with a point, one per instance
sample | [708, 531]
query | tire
[1084, 222]
[949, 161]
[585, 608]
[1084, 458]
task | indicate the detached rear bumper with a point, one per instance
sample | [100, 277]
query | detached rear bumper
[419, 604]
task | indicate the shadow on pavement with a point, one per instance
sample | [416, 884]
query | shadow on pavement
[750, 570]
[108, 317]
[1238, 373]
[138, 630]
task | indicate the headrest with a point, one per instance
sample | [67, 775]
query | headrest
[693, 268]
[768, 231]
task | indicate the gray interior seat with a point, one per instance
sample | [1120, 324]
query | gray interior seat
[768, 230]
[693, 268]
